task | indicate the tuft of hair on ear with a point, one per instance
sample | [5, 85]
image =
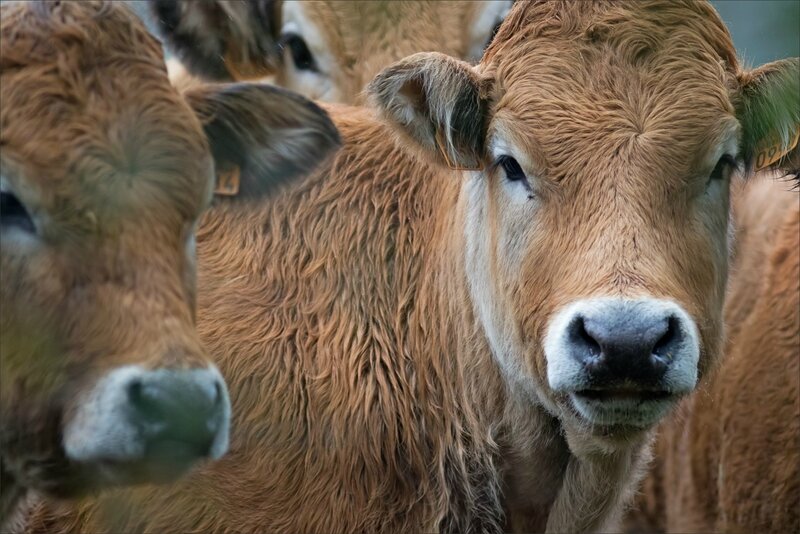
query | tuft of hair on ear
[270, 135]
[221, 40]
[769, 111]
[438, 103]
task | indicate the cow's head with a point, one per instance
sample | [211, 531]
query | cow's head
[599, 142]
[326, 50]
[105, 171]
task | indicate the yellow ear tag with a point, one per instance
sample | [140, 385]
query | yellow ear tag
[767, 156]
[227, 182]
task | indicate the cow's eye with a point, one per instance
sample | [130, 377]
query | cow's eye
[512, 169]
[723, 169]
[301, 55]
[13, 214]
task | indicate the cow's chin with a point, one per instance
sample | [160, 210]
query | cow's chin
[151, 471]
[620, 414]
[59, 477]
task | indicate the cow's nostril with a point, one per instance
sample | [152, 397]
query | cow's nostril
[135, 391]
[665, 345]
[589, 348]
[218, 395]
[145, 400]
[591, 343]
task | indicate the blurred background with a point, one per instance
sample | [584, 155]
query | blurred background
[763, 30]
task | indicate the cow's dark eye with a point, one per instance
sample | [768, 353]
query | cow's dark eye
[723, 169]
[512, 169]
[13, 214]
[301, 55]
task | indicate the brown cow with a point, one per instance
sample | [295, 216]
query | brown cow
[730, 460]
[327, 49]
[482, 308]
[104, 172]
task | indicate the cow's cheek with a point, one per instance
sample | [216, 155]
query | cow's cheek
[710, 252]
[31, 338]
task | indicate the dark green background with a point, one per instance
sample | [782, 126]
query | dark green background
[762, 30]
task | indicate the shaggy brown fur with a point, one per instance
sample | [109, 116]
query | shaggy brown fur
[114, 169]
[730, 460]
[350, 41]
[356, 317]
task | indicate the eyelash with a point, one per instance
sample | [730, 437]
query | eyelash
[14, 214]
[725, 162]
[301, 55]
[512, 168]
[514, 173]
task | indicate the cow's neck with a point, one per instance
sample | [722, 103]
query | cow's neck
[533, 453]
[357, 275]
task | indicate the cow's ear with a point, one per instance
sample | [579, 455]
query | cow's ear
[261, 136]
[769, 112]
[438, 103]
[219, 39]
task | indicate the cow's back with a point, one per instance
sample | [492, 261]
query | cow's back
[758, 391]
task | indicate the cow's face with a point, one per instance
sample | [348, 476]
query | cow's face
[105, 172]
[595, 221]
[327, 50]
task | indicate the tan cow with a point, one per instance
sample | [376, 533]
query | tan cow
[473, 317]
[329, 49]
[104, 172]
[730, 460]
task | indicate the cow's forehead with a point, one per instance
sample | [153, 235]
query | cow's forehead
[598, 77]
[355, 30]
[141, 152]
[93, 124]
[631, 27]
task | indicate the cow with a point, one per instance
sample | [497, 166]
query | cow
[104, 172]
[327, 50]
[729, 461]
[472, 318]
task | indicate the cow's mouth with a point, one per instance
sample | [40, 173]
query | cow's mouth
[623, 407]
[165, 461]
[606, 395]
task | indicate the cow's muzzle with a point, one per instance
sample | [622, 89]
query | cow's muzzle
[142, 425]
[622, 361]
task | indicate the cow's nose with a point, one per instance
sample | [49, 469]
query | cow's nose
[622, 344]
[162, 419]
[180, 411]
[625, 345]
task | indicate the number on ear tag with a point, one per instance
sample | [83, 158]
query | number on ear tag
[771, 154]
[227, 182]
